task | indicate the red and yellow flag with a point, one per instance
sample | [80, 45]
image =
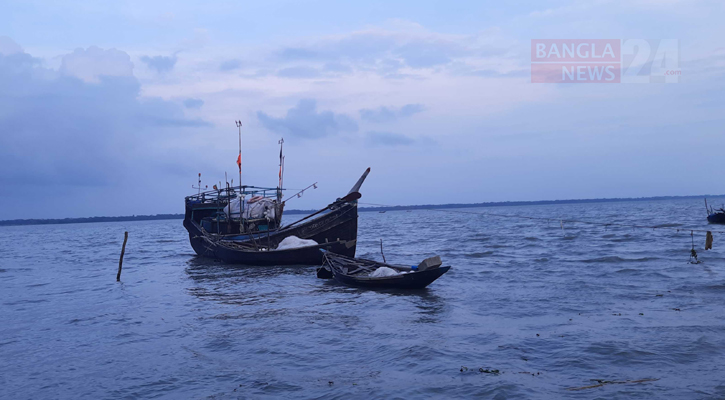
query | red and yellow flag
[239, 162]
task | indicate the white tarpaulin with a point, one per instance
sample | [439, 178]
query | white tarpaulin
[383, 272]
[293, 242]
[262, 208]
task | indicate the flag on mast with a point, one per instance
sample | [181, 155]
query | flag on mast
[239, 162]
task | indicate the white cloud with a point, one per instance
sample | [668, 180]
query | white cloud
[92, 63]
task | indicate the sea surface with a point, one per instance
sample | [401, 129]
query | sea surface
[530, 310]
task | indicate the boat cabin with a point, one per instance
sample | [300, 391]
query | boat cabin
[236, 210]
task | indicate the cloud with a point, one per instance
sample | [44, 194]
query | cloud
[388, 51]
[193, 103]
[298, 72]
[292, 53]
[491, 73]
[305, 121]
[92, 63]
[8, 46]
[337, 67]
[230, 65]
[160, 63]
[389, 114]
[388, 139]
[68, 132]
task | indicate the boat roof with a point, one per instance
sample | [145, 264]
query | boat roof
[234, 191]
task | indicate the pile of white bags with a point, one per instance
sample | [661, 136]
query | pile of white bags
[261, 208]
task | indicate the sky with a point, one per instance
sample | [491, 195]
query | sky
[113, 108]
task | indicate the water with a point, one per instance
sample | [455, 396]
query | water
[551, 309]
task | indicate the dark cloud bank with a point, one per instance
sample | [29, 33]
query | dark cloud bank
[58, 130]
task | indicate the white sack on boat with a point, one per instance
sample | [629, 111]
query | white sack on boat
[262, 208]
[293, 242]
[383, 272]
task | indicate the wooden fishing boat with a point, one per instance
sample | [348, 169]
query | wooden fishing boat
[361, 273]
[715, 216]
[333, 228]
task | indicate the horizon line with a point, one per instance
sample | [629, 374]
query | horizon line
[380, 207]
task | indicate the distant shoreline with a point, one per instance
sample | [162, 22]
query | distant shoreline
[20, 222]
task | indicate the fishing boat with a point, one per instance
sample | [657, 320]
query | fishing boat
[243, 224]
[373, 274]
[333, 228]
[715, 216]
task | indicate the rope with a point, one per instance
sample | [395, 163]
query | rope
[560, 220]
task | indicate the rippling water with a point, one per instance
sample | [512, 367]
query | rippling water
[550, 309]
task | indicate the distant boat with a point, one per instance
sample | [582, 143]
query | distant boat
[381, 212]
[715, 216]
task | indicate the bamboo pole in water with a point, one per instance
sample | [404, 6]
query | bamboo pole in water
[123, 251]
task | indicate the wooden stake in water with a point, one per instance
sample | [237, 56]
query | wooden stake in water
[123, 251]
[381, 250]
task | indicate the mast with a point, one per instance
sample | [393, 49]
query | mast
[199, 186]
[281, 164]
[239, 162]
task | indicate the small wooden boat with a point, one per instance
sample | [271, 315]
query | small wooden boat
[362, 273]
[715, 216]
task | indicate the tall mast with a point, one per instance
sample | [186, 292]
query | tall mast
[239, 159]
[239, 162]
[281, 162]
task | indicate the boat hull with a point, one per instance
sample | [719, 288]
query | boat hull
[412, 280]
[357, 272]
[717, 218]
[300, 256]
[335, 230]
